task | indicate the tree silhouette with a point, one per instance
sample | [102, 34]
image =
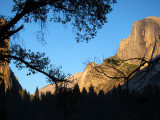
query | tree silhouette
[91, 91]
[85, 16]
[2, 99]
[84, 92]
[113, 106]
[101, 93]
[76, 90]
[36, 96]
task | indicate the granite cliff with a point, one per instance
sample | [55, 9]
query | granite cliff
[5, 72]
[143, 42]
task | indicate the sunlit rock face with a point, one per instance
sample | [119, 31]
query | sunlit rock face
[5, 73]
[90, 77]
[144, 41]
[72, 81]
[87, 78]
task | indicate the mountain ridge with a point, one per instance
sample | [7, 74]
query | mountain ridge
[143, 42]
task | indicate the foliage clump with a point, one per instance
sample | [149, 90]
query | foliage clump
[112, 61]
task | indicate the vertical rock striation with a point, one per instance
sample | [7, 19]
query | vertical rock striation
[144, 41]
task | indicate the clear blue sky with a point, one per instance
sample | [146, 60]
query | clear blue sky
[62, 47]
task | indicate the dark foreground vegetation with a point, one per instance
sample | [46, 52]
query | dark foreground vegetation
[76, 105]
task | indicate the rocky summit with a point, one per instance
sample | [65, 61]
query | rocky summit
[143, 42]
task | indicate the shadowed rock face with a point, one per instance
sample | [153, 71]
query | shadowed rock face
[144, 41]
[5, 73]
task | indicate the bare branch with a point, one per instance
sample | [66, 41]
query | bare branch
[32, 67]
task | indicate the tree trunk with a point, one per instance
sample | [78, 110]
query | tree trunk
[2, 100]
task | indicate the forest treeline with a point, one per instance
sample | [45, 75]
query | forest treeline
[67, 104]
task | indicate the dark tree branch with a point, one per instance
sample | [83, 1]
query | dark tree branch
[26, 10]
[87, 15]
[10, 33]
[103, 72]
[54, 79]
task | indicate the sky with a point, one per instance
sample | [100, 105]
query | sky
[62, 48]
